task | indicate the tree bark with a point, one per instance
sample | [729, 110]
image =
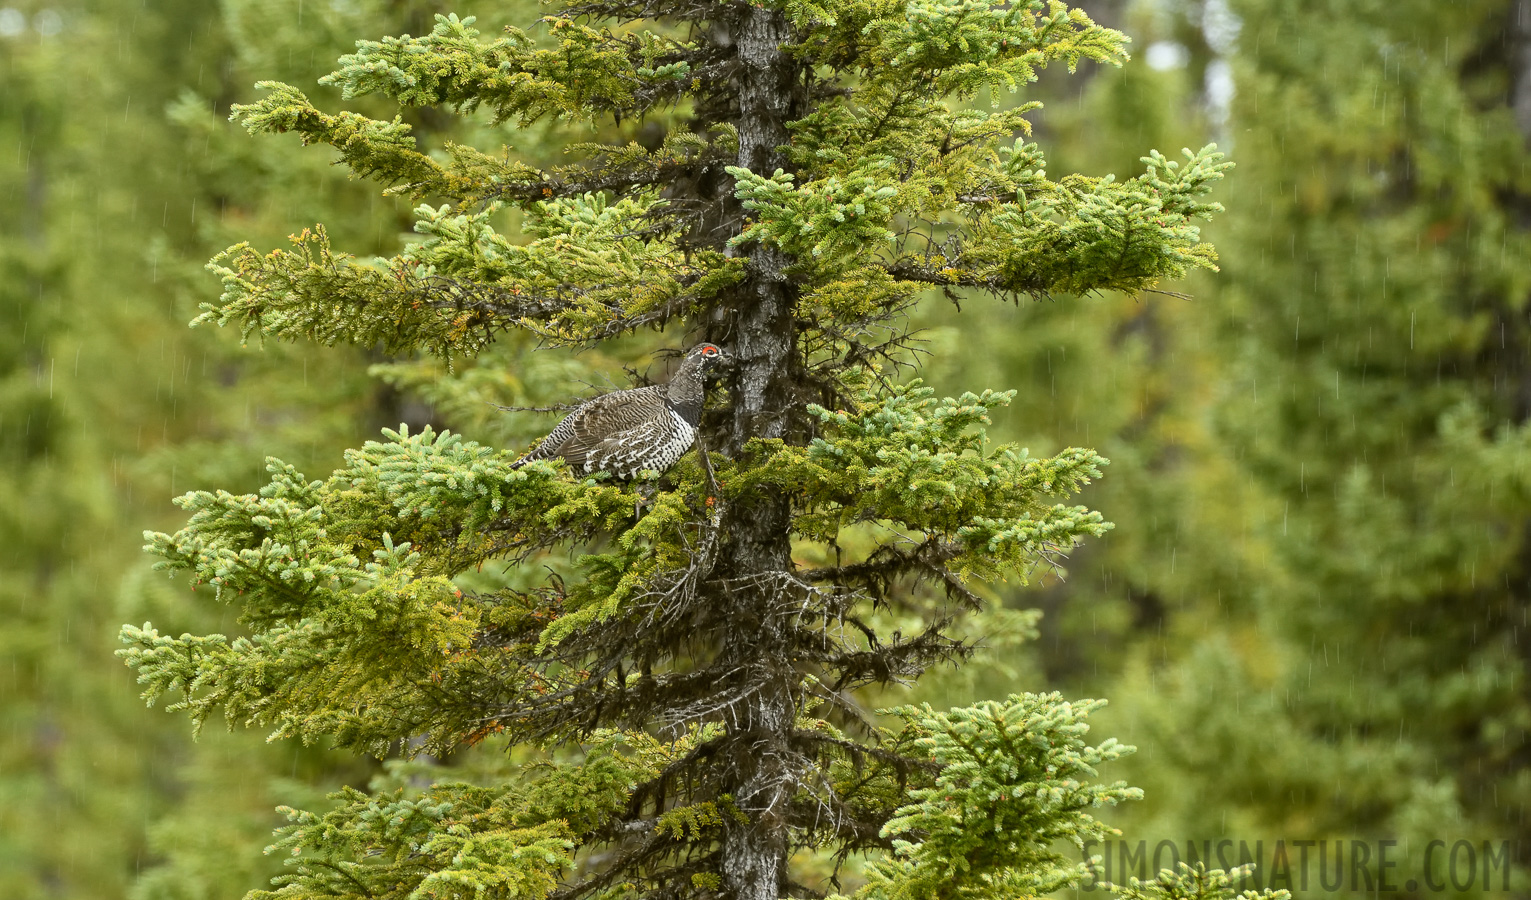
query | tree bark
[757, 551]
[1520, 63]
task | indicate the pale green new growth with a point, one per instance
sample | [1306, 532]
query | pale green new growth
[1015, 779]
[892, 188]
[1195, 883]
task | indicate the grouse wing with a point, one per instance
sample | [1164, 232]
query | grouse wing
[612, 426]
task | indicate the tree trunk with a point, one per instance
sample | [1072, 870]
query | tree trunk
[1520, 64]
[757, 552]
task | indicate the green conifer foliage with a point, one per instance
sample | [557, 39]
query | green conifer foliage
[1321, 628]
[1377, 400]
[120, 179]
[703, 635]
[1196, 882]
[100, 383]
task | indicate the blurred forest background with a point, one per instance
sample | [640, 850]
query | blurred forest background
[1311, 618]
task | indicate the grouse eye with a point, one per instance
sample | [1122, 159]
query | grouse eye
[709, 351]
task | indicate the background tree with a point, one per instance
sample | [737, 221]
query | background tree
[1375, 408]
[1314, 453]
[814, 182]
[121, 182]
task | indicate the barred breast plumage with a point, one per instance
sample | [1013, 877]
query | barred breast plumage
[626, 432]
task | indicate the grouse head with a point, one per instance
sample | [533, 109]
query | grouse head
[688, 387]
[704, 358]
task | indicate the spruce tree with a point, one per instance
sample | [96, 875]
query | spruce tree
[690, 652]
[100, 386]
[63, 529]
[1375, 400]
[121, 179]
[1318, 457]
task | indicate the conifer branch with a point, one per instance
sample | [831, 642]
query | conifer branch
[589, 71]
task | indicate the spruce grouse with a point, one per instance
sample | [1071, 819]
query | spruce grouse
[625, 432]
